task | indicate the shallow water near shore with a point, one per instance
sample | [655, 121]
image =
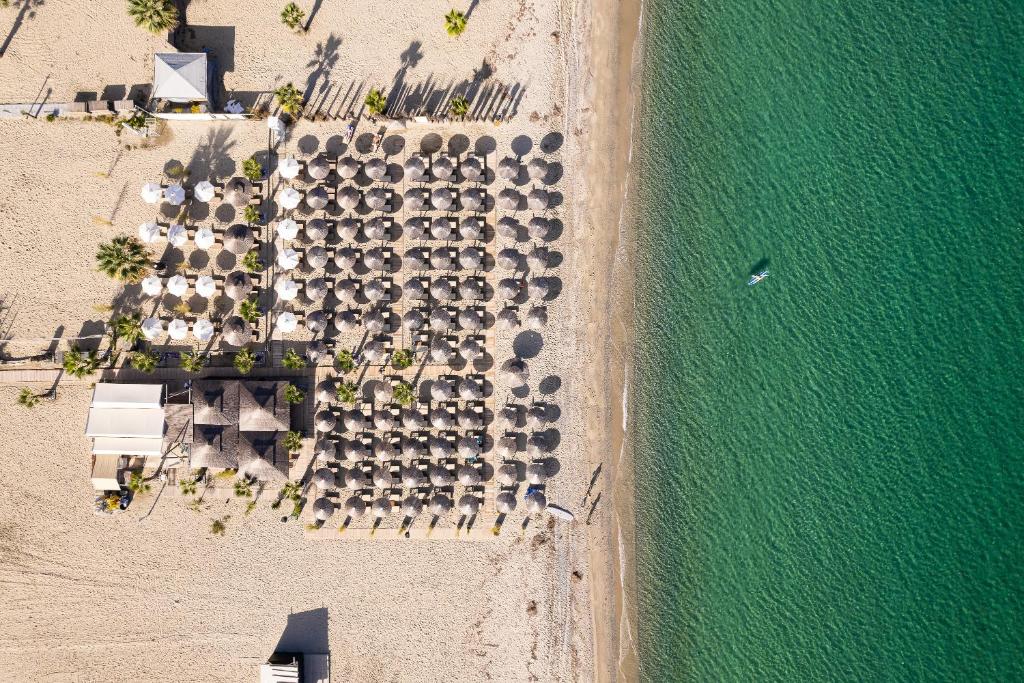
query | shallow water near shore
[829, 464]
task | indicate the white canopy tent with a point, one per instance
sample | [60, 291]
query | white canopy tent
[180, 76]
[110, 395]
[126, 419]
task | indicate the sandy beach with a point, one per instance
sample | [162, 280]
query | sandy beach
[151, 594]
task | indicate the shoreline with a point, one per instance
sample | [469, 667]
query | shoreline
[603, 214]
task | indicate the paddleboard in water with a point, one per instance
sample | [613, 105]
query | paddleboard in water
[560, 513]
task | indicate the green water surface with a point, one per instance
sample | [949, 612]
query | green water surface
[830, 465]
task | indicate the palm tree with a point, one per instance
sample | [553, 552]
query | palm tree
[404, 395]
[460, 105]
[193, 361]
[188, 487]
[27, 398]
[128, 327]
[347, 392]
[344, 361]
[243, 489]
[250, 310]
[251, 262]
[217, 527]
[78, 364]
[251, 215]
[292, 360]
[252, 169]
[245, 361]
[292, 442]
[376, 102]
[123, 258]
[136, 484]
[401, 359]
[292, 15]
[144, 361]
[292, 490]
[292, 394]
[455, 23]
[155, 16]
[289, 98]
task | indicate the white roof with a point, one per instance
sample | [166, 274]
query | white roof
[126, 422]
[109, 395]
[180, 76]
[112, 445]
[104, 473]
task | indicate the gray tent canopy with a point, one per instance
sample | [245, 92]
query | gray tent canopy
[180, 76]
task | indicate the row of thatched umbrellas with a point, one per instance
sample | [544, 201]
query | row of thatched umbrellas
[412, 505]
[416, 228]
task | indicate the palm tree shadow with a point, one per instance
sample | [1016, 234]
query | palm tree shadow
[312, 14]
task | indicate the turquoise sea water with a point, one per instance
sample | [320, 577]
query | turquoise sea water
[830, 465]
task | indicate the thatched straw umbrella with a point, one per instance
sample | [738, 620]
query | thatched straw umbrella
[374, 322]
[442, 289]
[537, 318]
[356, 450]
[506, 474]
[315, 350]
[384, 421]
[374, 259]
[539, 228]
[508, 259]
[347, 228]
[469, 504]
[375, 169]
[441, 419]
[442, 168]
[316, 257]
[377, 198]
[441, 259]
[470, 389]
[375, 290]
[508, 168]
[415, 168]
[238, 192]
[383, 479]
[537, 168]
[316, 289]
[507, 319]
[348, 168]
[441, 390]
[413, 419]
[416, 228]
[508, 199]
[441, 351]
[471, 258]
[327, 391]
[345, 290]
[323, 508]
[470, 319]
[237, 331]
[414, 289]
[413, 320]
[345, 258]
[355, 507]
[471, 289]
[416, 199]
[345, 321]
[536, 416]
[318, 168]
[505, 502]
[536, 502]
[537, 259]
[440, 504]
[440, 319]
[348, 197]
[515, 372]
[538, 288]
[417, 259]
[440, 476]
[537, 200]
[471, 228]
[316, 321]
[316, 229]
[508, 228]
[469, 447]
[238, 239]
[324, 478]
[316, 198]
[509, 415]
[381, 508]
[374, 351]
[326, 451]
[469, 419]
[471, 169]
[441, 199]
[412, 506]
[468, 475]
[470, 349]
[536, 446]
[472, 199]
[383, 391]
[508, 288]
[354, 421]
[412, 478]
[375, 228]
[441, 228]
[325, 421]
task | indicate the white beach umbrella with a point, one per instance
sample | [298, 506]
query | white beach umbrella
[152, 285]
[177, 236]
[288, 167]
[177, 285]
[202, 330]
[276, 126]
[206, 286]
[149, 232]
[287, 258]
[204, 191]
[287, 229]
[177, 329]
[152, 328]
[151, 193]
[289, 198]
[287, 322]
[205, 238]
[174, 194]
[286, 288]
